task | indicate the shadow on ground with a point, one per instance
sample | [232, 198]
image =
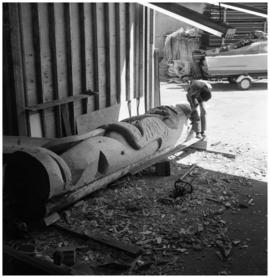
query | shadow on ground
[179, 236]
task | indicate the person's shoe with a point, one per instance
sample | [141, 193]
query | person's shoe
[203, 135]
[198, 135]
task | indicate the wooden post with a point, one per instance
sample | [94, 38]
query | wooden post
[15, 36]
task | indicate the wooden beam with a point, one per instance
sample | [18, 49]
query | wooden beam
[57, 102]
[229, 155]
[131, 249]
[245, 9]
[191, 17]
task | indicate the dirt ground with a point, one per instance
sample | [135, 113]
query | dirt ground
[218, 228]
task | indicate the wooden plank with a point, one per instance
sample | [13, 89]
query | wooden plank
[58, 45]
[76, 59]
[157, 101]
[89, 54]
[17, 59]
[137, 52]
[93, 120]
[46, 67]
[82, 18]
[54, 63]
[151, 61]
[128, 62]
[101, 54]
[147, 62]
[95, 53]
[132, 65]
[9, 120]
[57, 102]
[122, 68]
[118, 52]
[23, 140]
[69, 62]
[229, 155]
[107, 54]
[38, 64]
[114, 70]
[142, 49]
[131, 249]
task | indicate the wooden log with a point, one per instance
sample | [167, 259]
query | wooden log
[72, 197]
[95, 161]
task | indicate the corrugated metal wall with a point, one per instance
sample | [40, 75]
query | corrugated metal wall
[61, 51]
[243, 22]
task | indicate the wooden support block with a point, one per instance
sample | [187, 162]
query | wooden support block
[51, 219]
[163, 169]
[201, 145]
[161, 156]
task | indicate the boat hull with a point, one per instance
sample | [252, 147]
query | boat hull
[236, 64]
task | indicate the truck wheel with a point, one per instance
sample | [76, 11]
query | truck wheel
[244, 84]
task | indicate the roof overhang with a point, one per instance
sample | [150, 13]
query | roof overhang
[177, 11]
[243, 8]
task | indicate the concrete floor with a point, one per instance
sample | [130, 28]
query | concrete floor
[234, 116]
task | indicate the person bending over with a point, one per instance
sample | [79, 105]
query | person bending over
[199, 91]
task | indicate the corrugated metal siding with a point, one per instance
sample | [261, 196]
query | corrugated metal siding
[63, 50]
[243, 22]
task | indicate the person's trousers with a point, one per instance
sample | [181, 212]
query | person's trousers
[198, 118]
